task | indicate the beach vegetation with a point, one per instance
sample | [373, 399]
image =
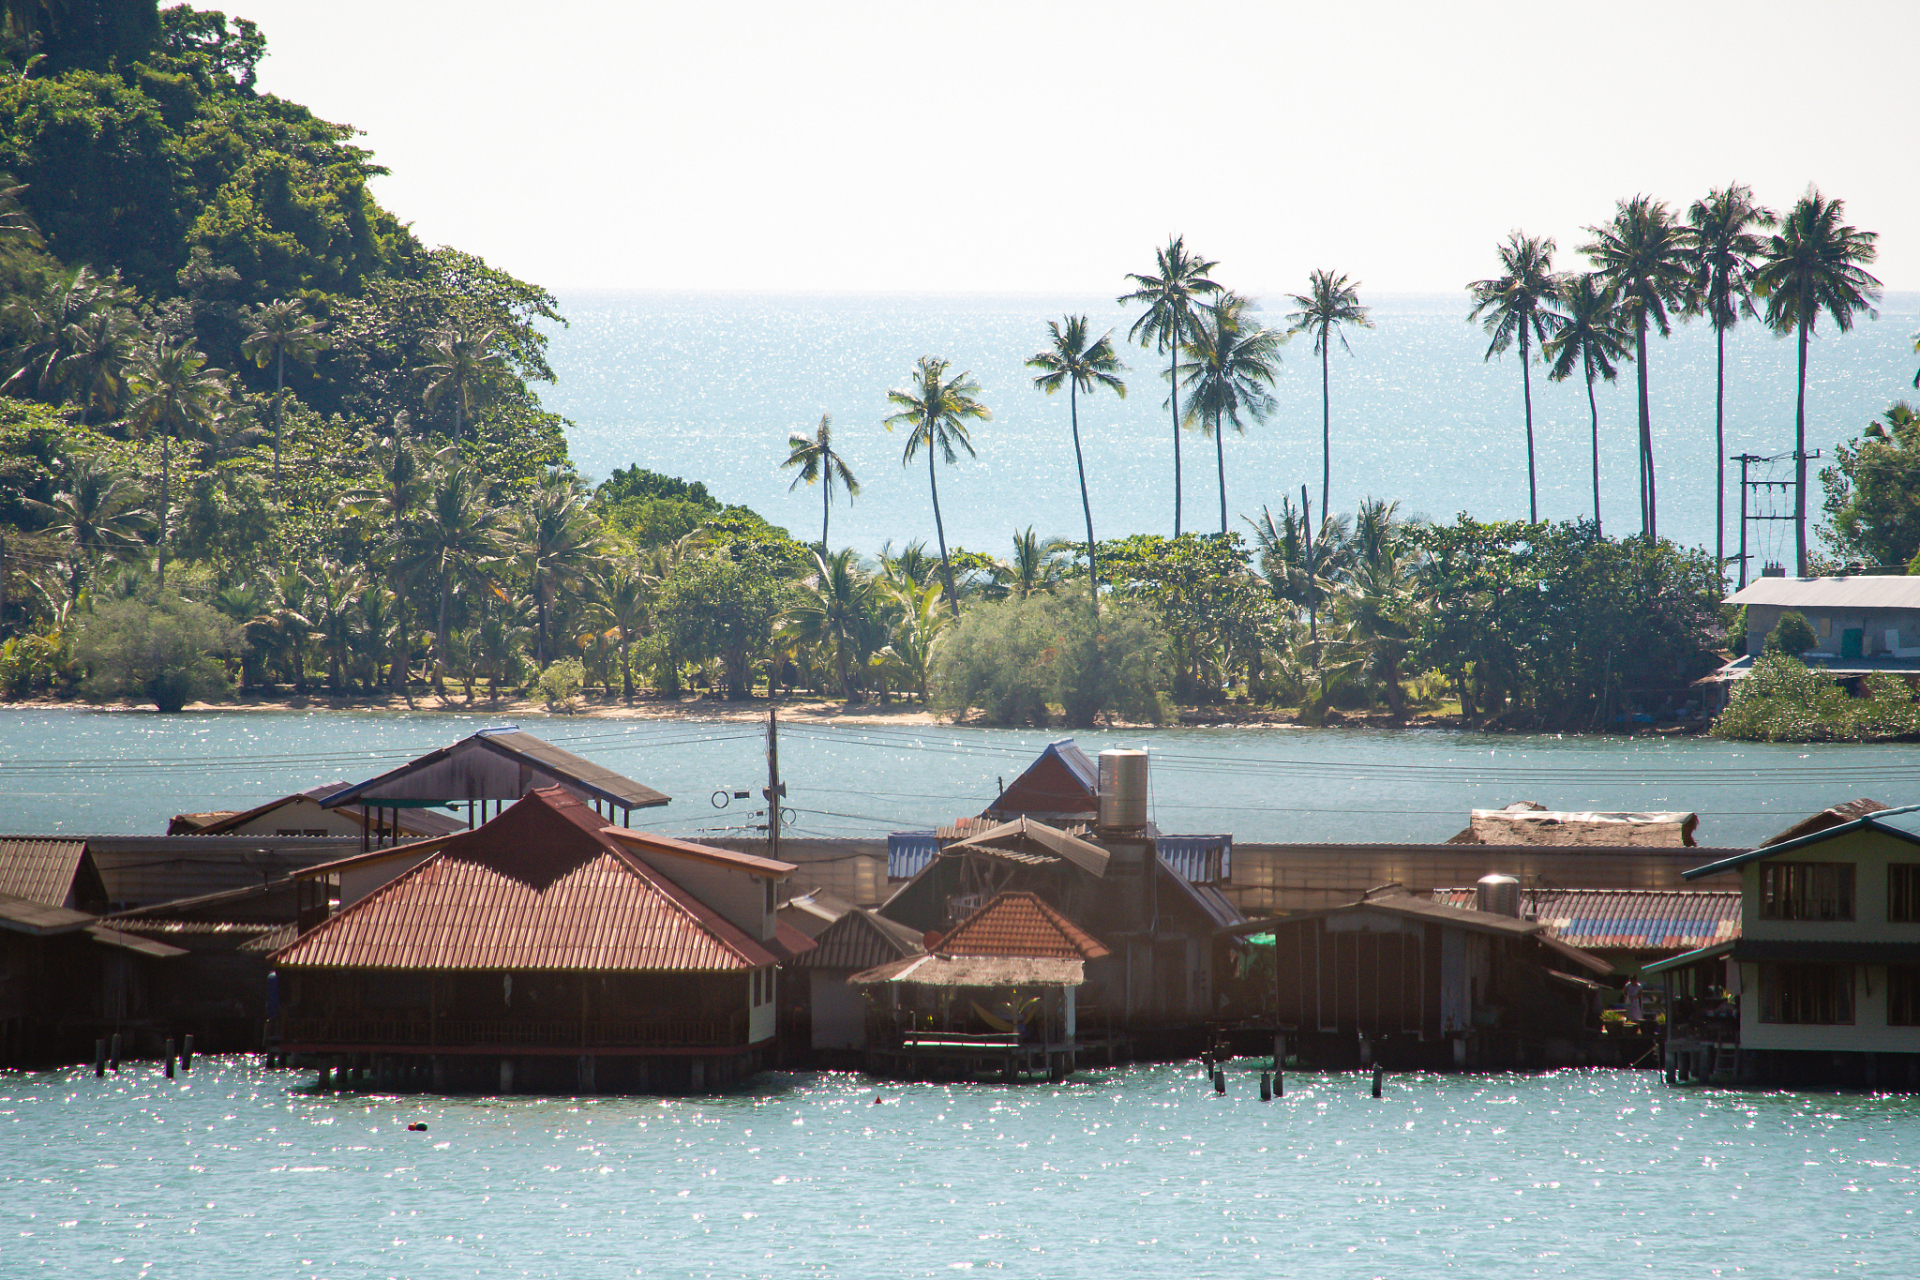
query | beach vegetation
[1518, 305]
[156, 647]
[1330, 304]
[1047, 658]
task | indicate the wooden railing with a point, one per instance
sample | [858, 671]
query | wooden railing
[464, 1032]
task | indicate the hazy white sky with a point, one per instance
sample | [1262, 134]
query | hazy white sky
[1048, 147]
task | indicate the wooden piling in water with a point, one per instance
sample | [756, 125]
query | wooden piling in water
[186, 1053]
[1266, 1086]
[1379, 1075]
[100, 1059]
[113, 1054]
[169, 1057]
[1219, 1080]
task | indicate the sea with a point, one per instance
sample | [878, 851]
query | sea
[1140, 1171]
[711, 386]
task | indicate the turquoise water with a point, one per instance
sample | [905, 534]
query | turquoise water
[127, 771]
[1136, 1172]
[710, 386]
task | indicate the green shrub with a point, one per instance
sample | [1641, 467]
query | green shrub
[1783, 701]
[561, 682]
[157, 648]
[1793, 634]
[1737, 632]
[1015, 661]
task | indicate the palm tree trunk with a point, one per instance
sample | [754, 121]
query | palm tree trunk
[1720, 450]
[1646, 426]
[1174, 379]
[1594, 409]
[626, 669]
[1220, 462]
[279, 395]
[166, 440]
[1086, 507]
[1326, 428]
[440, 641]
[1800, 458]
[1526, 392]
[940, 532]
[826, 509]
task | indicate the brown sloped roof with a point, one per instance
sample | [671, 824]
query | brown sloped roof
[40, 868]
[1629, 919]
[1826, 819]
[426, 823]
[1024, 835]
[1020, 925]
[749, 862]
[495, 764]
[540, 887]
[861, 939]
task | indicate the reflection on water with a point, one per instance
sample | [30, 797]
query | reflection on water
[1139, 1171]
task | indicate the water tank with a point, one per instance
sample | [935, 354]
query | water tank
[1123, 790]
[1498, 894]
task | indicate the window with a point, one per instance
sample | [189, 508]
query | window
[1903, 995]
[756, 986]
[1903, 892]
[1818, 994]
[1806, 891]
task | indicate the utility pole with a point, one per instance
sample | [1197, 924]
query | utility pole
[776, 790]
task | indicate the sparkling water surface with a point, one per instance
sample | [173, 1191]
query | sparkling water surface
[1138, 1171]
[77, 770]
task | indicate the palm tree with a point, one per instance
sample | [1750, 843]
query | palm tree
[1071, 361]
[1169, 294]
[1518, 303]
[1592, 337]
[1813, 263]
[100, 511]
[559, 546]
[466, 361]
[836, 613]
[1642, 256]
[1721, 246]
[619, 603]
[935, 410]
[174, 393]
[98, 349]
[1234, 362]
[457, 536]
[1037, 565]
[338, 591]
[1329, 304]
[275, 331]
[820, 462]
[400, 488]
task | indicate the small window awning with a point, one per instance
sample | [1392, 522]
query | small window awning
[1717, 951]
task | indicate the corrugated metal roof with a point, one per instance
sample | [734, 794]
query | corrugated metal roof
[813, 911]
[425, 823]
[39, 869]
[496, 764]
[1020, 924]
[1629, 919]
[24, 915]
[1061, 782]
[1024, 835]
[975, 971]
[861, 939]
[1398, 902]
[749, 862]
[135, 943]
[1894, 591]
[542, 886]
[1829, 817]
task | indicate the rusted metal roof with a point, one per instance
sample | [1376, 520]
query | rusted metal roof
[1826, 818]
[974, 971]
[425, 823]
[1061, 783]
[149, 947]
[24, 915]
[496, 764]
[1029, 837]
[862, 939]
[39, 868]
[1892, 591]
[1020, 924]
[1629, 919]
[749, 862]
[542, 886]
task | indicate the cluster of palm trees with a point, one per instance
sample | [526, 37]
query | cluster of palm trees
[1729, 258]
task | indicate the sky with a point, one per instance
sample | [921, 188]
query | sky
[1037, 147]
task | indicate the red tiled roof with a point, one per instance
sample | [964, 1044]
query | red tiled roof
[1629, 919]
[704, 852]
[1020, 924]
[861, 939]
[1826, 819]
[40, 869]
[540, 887]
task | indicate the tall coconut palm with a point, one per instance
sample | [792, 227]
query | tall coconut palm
[1518, 303]
[621, 596]
[274, 332]
[1813, 263]
[1235, 360]
[457, 536]
[1170, 293]
[559, 546]
[399, 489]
[1325, 309]
[1722, 245]
[37, 364]
[100, 511]
[1593, 338]
[174, 394]
[99, 347]
[1071, 361]
[821, 463]
[836, 612]
[1641, 254]
[935, 409]
[466, 363]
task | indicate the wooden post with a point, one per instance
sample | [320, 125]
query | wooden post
[113, 1055]
[1379, 1073]
[186, 1053]
[1219, 1080]
[1279, 1051]
[1266, 1087]
[100, 1061]
[169, 1057]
